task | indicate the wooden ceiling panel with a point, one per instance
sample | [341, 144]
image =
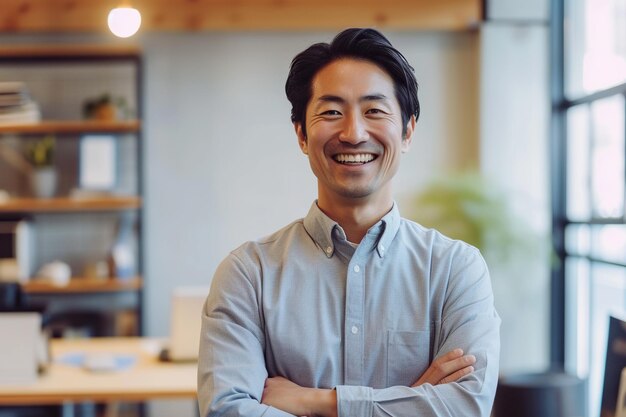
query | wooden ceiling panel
[60, 16]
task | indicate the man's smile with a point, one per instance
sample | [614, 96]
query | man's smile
[354, 159]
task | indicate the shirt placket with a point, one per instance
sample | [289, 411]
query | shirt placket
[353, 326]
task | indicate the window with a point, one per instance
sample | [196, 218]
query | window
[589, 102]
[595, 45]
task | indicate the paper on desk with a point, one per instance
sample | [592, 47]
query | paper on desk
[121, 361]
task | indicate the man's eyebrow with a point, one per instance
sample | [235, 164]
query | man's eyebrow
[331, 99]
[336, 99]
[374, 97]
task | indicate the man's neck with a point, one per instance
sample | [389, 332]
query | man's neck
[355, 217]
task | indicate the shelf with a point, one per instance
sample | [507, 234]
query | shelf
[83, 285]
[46, 205]
[75, 51]
[73, 126]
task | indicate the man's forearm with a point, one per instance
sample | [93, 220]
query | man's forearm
[285, 395]
[302, 401]
[324, 402]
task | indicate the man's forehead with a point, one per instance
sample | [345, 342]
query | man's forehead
[350, 78]
[352, 68]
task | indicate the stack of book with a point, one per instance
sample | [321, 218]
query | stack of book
[16, 105]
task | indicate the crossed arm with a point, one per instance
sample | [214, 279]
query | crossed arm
[287, 396]
[233, 379]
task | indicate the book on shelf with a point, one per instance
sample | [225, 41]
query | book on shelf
[16, 104]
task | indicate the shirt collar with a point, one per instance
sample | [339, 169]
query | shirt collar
[320, 227]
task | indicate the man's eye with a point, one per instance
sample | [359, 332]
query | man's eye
[374, 111]
[331, 113]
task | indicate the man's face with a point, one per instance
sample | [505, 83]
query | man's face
[354, 133]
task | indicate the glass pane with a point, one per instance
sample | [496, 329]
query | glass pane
[577, 239]
[608, 297]
[595, 45]
[607, 157]
[609, 243]
[577, 316]
[594, 291]
[578, 151]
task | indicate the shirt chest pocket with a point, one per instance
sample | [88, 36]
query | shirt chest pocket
[408, 356]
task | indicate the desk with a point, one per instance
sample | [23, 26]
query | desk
[146, 379]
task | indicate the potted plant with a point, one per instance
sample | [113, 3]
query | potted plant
[106, 107]
[40, 155]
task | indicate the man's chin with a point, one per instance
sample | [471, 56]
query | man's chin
[356, 193]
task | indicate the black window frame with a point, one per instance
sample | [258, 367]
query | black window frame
[558, 172]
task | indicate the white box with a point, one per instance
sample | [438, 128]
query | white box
[19, 355]
[185, 322]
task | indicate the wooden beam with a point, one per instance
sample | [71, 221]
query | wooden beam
[60, 16]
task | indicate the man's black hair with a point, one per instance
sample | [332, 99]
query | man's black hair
[365, 44]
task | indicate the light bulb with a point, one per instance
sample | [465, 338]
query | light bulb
[124, 21]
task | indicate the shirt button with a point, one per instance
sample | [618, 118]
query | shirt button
[329, 250]
[382, 248]
[355, 330]
[356, 268]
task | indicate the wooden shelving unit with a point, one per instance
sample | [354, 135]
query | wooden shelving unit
[72, 126]
[79, 285]
[69, 204]
[80, 227]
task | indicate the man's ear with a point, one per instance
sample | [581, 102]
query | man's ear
[408, 136]
[301, 138]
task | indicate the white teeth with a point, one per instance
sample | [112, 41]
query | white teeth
[360, 158]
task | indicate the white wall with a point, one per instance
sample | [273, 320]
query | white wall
[514, 136]
[222, 162]
[536, 11]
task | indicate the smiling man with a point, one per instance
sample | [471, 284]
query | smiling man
[352, 311]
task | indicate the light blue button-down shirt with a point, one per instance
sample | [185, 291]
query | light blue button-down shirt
[306, 304]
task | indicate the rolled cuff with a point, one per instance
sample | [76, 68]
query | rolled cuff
[354, 401]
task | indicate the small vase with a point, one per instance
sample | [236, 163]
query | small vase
[44, 182]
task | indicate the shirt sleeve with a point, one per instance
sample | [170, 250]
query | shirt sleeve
[469, 321]
[231, 365]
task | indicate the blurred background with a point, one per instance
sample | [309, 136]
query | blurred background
[519, 149]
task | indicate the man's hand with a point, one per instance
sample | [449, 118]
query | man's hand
[447, 368]
[287, 396]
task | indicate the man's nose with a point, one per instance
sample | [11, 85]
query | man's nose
[353, 129]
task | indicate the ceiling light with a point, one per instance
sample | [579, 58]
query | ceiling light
[124, 21]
